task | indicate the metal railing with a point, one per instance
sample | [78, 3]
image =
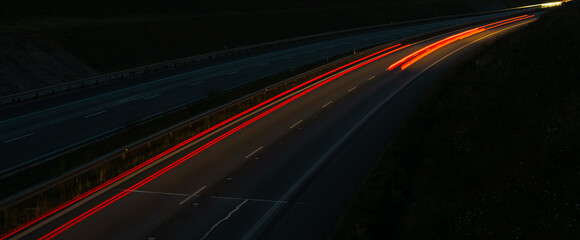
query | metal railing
[137, 144]
[143, 70]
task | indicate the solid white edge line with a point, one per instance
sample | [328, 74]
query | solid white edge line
[254, 152]
[160, 193]
[92, 196]
[192, 195]
[262, 220]
[97, 96]
[95, 114]
[152, 96]
[149, 83]
[296, 124]
[251, 199]
[269, 214]
[18, 138]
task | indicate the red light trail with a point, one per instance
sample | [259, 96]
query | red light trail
[172, 149]
[403, 63]
[109, 201]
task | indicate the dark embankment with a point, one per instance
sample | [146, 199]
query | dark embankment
[44, 43]
[492, 152]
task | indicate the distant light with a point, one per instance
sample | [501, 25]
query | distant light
[544, 5]
[551, 4]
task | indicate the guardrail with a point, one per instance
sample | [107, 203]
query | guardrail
[183, 125]
[138, 71]
[51, 155]
[146, 141]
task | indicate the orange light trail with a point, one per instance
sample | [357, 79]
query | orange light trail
[440, 45]
[415, 57]
[412, 55]
[505, 20]
[515, 20]
[421, 53]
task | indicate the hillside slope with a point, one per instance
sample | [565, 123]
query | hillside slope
[110, 35]
[491, 152]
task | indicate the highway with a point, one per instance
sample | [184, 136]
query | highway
[283, 170]
[32, 132]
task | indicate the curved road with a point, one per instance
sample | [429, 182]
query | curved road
[282, 171]
[29, 133]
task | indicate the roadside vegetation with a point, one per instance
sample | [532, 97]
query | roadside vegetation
[97, 171]
[37, 204]
[116, 35]
[491, 152]
[105, 36]
[218, 107]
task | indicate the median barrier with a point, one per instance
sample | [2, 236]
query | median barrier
[17, 98]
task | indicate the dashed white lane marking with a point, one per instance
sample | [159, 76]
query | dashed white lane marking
[224, 219]
[251, 199]
[196, 83]
[373, 77]
[263, 64]
[292, 190]
[163, 193]
[95, 114]
[234, 72]
[325, 105]
[289, 57]
[152, 96]
[18, 138]
[295, 124]
[131, 98]
[352, 89]
[254, 152]
[192, 195]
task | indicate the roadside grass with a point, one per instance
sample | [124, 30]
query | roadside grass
[68, 186]
[491, 152]
[107, 36]
[46, 200]
[35, 204]
[110, 38]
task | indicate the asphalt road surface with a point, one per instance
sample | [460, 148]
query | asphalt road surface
[32, 132]
[282, 171]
